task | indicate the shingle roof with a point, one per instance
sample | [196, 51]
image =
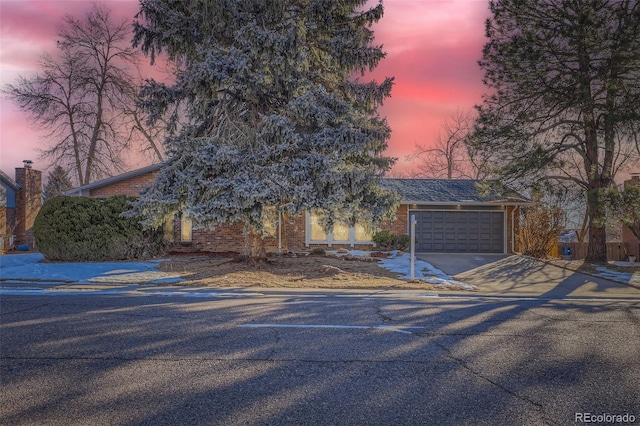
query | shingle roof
[113, 179]
[12, 183]
[448, 191]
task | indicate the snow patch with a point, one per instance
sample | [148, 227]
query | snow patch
[31, 267]
[402, 265]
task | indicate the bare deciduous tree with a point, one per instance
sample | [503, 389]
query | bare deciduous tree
[450, 158]
[84, 97]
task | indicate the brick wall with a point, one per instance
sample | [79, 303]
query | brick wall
[293, 232]
[225, 238]
[130, 187]
[221, 238]
[400, 225]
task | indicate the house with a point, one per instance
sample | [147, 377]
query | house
[453, 216]
[20, 202]
[630, 240]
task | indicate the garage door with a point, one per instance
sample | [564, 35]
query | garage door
[459, 231]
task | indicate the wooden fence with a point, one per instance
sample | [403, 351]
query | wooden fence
[615, 251]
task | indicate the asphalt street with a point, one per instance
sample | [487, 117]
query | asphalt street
[317, 358]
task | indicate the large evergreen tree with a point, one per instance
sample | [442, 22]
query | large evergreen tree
[564, 90]
[277, 117]
[58, 182]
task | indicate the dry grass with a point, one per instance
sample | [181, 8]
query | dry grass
[299, 272]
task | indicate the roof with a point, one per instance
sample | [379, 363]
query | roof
[127, 175]
[412, 191]
[12, 183]
[449, 191]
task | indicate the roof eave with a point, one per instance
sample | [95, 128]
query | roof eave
[81, 189]
[468, 203]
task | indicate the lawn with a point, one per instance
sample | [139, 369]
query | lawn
[289, 271]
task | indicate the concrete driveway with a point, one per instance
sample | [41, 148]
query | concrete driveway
[514, 275]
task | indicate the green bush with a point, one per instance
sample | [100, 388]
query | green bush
[91, 229]
[385, 240]
[318, 251]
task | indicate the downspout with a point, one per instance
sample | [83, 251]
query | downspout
[513, 230]
[279, 232]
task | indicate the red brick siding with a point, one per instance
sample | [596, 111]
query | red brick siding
[130, 187]
[400, 225]
[293, 232]
[222, 238]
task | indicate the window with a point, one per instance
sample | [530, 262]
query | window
[362, 233]
[168, 228]
[185, 228]
[341, 234]
[270, 221]
[317, 233]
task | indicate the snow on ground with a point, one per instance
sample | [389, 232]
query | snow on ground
[621, 277]
[30, 266]
[422, 271]
[402, 265]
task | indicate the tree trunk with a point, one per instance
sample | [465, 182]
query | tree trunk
[254, 247]
[597, 249]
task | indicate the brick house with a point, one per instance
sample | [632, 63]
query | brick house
[20, 202]
[452, 216]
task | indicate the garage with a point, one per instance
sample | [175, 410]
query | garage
[459, 231]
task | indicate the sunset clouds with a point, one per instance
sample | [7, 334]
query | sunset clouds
[432, 51]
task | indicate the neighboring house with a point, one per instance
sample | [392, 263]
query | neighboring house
[20, 202]
[453, 216]
[632, 243]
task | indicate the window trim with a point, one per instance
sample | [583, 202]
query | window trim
[352, 241]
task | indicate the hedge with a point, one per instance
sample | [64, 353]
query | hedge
[91, 229]
[385, 240]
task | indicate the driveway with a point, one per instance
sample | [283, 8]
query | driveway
[514, 275]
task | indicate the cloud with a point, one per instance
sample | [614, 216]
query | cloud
[432, 51]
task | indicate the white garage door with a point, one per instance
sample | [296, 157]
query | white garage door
[459, 231]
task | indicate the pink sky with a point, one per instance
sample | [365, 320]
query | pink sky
[432, 51]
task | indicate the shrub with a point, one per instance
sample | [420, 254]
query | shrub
[389, 241]
[539, 229]
[90, 229]
[318, 251]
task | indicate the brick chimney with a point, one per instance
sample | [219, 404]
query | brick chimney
[28, 202]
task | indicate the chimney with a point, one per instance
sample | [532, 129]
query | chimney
[28, 202]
